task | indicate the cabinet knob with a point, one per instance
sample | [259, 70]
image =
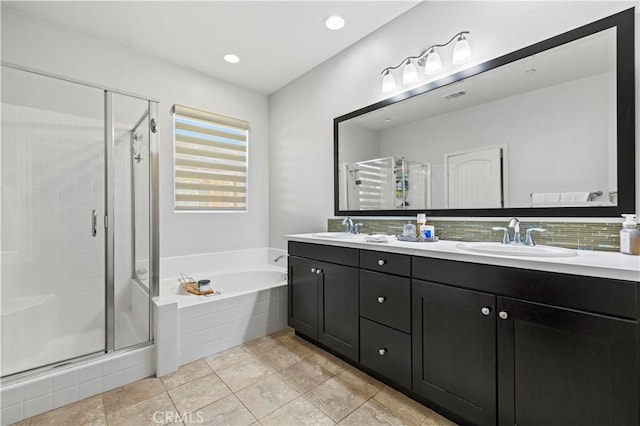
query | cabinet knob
[381, 299]
[503, 315]
[382, 262]
[313, 270]
[485, 311]
[318, 271]
[382, 351]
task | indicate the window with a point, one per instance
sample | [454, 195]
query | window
[210, 161]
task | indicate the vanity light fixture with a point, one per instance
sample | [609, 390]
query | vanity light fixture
[429, 59]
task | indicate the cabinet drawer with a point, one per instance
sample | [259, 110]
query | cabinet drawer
[386, 351]
[386, 299]
[332, 254]
[390, 263]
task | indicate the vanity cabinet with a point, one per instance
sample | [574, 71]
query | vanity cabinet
[561, 366]
[454, 349]
[385, 315]
[303, 296]
[483, 344]
[323, 296]
[554, 348]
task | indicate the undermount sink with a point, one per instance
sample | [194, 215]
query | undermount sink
[342, 235]
[516, 250]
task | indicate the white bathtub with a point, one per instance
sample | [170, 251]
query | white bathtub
[252, 303]
[229, 283]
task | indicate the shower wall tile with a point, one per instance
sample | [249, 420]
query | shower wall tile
[65, 396]
[37, 395]
[12, 414]
[65, 380]
[38, 388]
[11, 396]
[113, 381]
[37, 406]
[87, 373]
[90, 388]
[574, 235]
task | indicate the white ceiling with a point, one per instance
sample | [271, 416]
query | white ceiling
[277, 41]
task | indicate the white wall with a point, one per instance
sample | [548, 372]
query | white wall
[44, 46]
[301, 113]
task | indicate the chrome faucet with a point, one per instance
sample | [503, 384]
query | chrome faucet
[514, 224]
[348, 225]
[282, 256]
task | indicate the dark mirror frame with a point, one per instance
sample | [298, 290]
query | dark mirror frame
[626, 157]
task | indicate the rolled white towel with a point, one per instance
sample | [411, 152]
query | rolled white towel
[574, 197]
[545, 197]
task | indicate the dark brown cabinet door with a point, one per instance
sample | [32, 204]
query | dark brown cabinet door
[565, 367]
[303, 296]
[338, 309]
[454, 350]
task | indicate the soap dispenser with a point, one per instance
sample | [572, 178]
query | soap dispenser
[629, 236]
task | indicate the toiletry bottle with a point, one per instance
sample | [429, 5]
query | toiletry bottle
[629, 236]
[421, 219]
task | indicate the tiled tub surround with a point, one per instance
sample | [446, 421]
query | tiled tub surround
[190, 327]
[279, 379]
[574, 235]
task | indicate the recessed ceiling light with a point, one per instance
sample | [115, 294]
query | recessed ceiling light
[334, 22]
[231, 58]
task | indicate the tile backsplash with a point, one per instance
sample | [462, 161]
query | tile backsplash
[574, 235]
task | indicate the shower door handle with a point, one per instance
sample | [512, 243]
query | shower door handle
[94, 223]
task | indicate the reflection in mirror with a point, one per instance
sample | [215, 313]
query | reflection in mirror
[546, 130]
[537, 132]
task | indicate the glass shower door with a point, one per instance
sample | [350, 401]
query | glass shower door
[52, 221]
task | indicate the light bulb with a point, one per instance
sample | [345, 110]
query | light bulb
[388, 82]
[462, 51]
[433, 64]
[410, 73]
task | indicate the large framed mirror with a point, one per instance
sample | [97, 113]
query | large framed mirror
[547, 130]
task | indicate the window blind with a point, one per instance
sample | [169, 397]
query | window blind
[210, 161]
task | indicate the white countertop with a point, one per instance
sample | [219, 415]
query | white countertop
[587, 263]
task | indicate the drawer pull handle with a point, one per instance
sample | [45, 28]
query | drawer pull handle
[318, 271]
[381, 299]
[485, 311]
[382, 262]
[503, 315]
[313, 270]
[382, 351]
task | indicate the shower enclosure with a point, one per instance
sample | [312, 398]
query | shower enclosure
[78, 224]
[386, 184]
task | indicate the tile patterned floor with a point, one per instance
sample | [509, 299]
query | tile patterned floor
[279, 379]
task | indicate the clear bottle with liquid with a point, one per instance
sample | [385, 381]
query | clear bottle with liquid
[629, 236]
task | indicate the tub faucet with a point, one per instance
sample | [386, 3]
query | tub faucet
[282, 256]
[348, 225]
